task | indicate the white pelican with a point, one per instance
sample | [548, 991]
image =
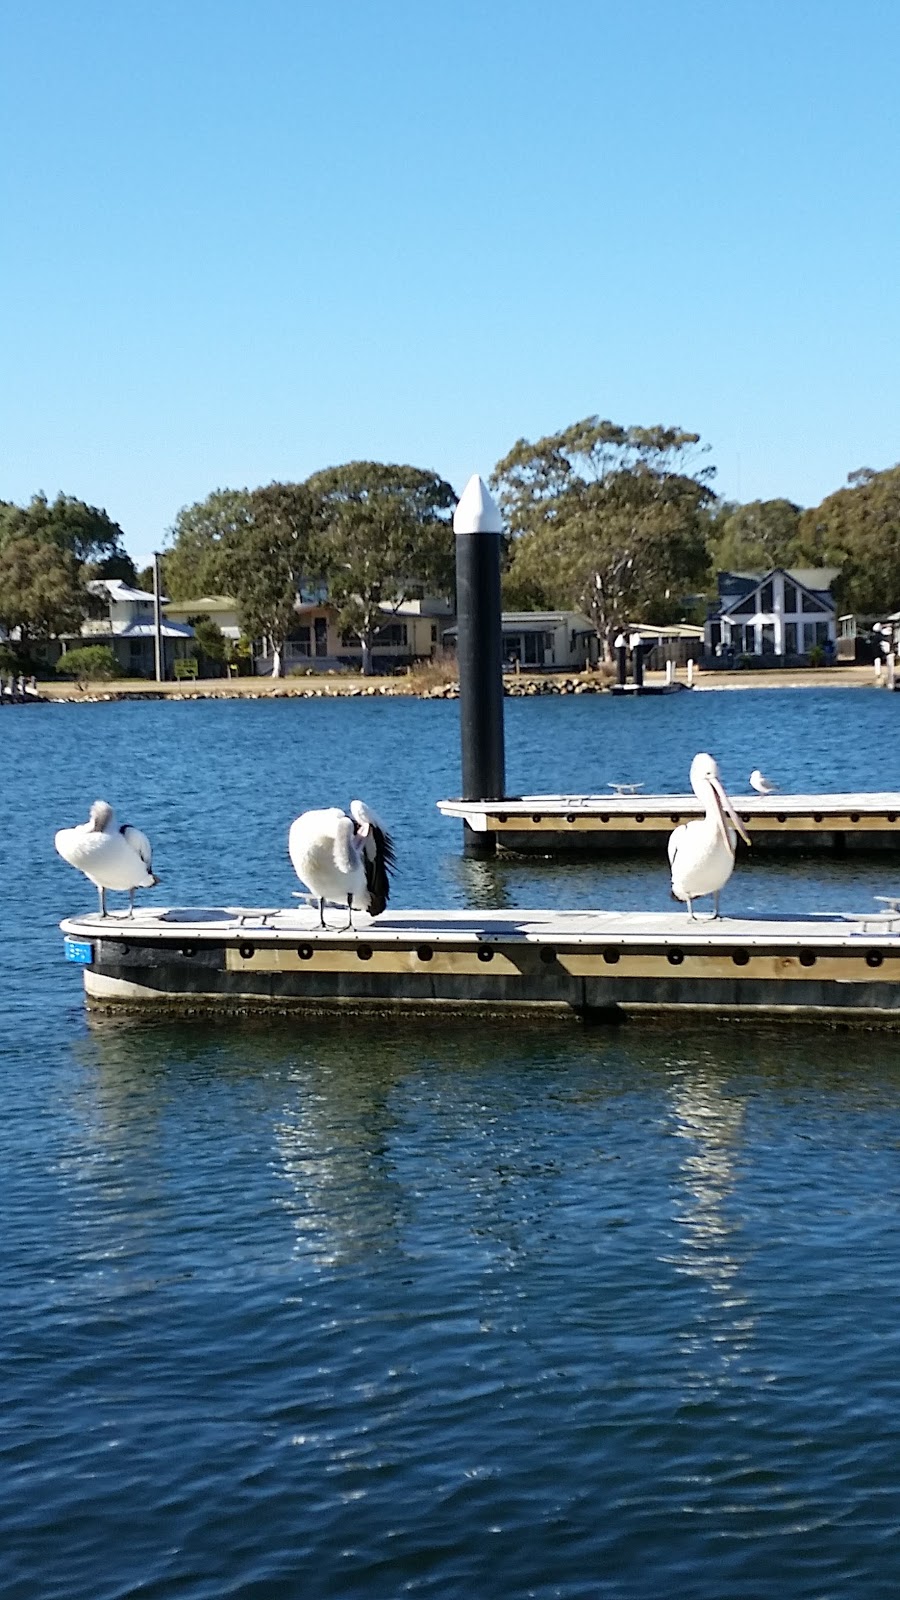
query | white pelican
[345, 860]
[701, 853]
[113, 858]
[761, 784]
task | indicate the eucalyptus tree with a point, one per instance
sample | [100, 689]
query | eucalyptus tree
[758, 535]
[267, 558]
[385, 534]
[858, 529]
[41, 589]
[85, 532]
[191, 562]
[606, 519]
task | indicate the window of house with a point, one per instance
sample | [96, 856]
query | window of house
[299, 641]
[434, 633]
[767, 597]
[768, 638]
[790, 596]
[821, 632]
[809, 604]
[394, 633]
[533, 655]
[790, 637]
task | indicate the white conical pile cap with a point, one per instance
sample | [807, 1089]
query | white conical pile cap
[477, 512]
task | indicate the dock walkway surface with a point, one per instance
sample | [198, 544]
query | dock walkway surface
[601, 964]
[557, 822]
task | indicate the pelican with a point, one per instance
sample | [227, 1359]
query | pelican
[344, 860]
[701, 853]
[761, 784]
[113, 858]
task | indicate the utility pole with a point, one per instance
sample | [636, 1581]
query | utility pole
[157, 621]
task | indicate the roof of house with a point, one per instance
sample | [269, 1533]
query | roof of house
[671, 630]
[749, 583]
[117, 589]
[207, 602]
[146, 630]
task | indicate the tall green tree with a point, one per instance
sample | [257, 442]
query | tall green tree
[265, 560]
[607, 520]
[41, 592]
[191, 565]
[87, 534]
[385, 533]
[858, 530]
[752, 537]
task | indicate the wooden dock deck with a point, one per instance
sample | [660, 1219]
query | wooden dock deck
[557, 822]
[600, 964]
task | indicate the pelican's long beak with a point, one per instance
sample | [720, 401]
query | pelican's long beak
[728, 817]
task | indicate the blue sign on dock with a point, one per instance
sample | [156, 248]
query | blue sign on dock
[79, 950]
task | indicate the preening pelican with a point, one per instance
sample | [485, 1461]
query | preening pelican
[761, 783]
[344, 860]
[113, 858]
[701, 853]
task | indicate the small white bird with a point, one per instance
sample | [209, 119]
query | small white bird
[113, 858]
[701, 853]
[344, 860]
[761, 783]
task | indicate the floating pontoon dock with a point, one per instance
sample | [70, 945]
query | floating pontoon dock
[587, 963]
[553, 822]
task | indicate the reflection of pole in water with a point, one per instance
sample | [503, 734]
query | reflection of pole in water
[482, 883]
[710, 1122]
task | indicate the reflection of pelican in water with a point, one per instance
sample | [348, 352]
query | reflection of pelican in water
[710, 1122]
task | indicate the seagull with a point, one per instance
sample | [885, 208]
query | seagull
[761, 783]
[701, 853]
[344, 860]
[113, 858]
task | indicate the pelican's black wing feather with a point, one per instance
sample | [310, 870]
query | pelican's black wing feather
[379, 865]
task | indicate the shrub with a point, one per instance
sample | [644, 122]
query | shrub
[90, 663]
[817, 656]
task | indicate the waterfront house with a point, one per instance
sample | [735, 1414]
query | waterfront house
[410, 632]
[779, 616]
[221, 609]
[125, 622]
[544, 641]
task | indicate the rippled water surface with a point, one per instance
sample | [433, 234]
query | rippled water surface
[362, 1310]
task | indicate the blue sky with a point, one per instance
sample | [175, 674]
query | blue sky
[246, 239]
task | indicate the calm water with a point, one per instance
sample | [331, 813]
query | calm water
[354, 1311]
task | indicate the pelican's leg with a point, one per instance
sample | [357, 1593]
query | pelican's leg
[716, 912]
[131, 902]
[321, 911]
[102, 893]
[690, 906]
[349, 911]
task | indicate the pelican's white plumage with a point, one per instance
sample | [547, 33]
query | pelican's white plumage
[701, 853]
[761, 783]
[343, 859]
[113, 858]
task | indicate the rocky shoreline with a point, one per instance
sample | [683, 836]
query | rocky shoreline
[524, 686]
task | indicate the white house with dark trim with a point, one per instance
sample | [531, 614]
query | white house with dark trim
[783, 613]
